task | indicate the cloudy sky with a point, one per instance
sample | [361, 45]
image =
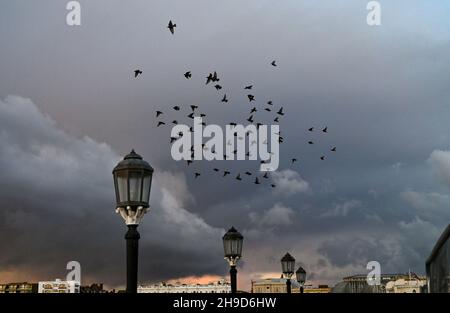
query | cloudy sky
[70, 108]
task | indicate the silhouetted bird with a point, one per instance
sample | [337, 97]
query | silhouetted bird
[225, 173]
[214, 77]
[248, 173]
[238, 177]
[174, 122]
[137, 73]
[202, 114]
[310, 142]
[253, 110]
[171, 27]
[268, 109]
[334, 149]
[218, 87]
[191, 115]
[257, 181]
[248, 87]
[251, 98]
[311, 129]
[266, 175]
[273, 63]
[269, 102]
[176, 108]
[193, 107]
[322, 157]
[172, 139]
[250, 119]
[280, 111]
[216, 170]
[188, 75]
[273, 185]
[224, 99]
[276, 119]
[233, 124]
[160, 123]
[197, 175]
[209, 79]
[293, 161]
[158, 113]
[325, 129]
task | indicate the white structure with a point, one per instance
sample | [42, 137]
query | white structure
[59, 286]
[221, 286]
[409, 285]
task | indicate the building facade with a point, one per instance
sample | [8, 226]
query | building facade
[22, 287]
[358, 283]
[402, 285]
[221, 286]
[438, 265]
[278, 285]
[58, 286]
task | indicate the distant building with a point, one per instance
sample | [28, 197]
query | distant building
[94, 288]
[438, 265]
[221, 286]
[58, 286]
[358, 283]
[22, 287]
[409, 285]
[278, 285]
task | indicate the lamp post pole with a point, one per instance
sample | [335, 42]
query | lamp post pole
[288, 285]
[233, 278]
[132, 182]
[132, 237]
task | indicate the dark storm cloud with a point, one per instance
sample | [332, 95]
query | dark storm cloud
[59, 196]
[383, 93]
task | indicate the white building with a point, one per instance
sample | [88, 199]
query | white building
[221, 286]
[402, 285]
[59, 286]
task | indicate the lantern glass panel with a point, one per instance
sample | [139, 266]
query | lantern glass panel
[135, 186]
[122, 186]
[146, 188]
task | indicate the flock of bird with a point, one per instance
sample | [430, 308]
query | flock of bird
[213, 79]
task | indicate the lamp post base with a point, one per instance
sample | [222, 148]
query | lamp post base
[233, 278]
[132, 237]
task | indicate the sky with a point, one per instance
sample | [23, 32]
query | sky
[70, 109]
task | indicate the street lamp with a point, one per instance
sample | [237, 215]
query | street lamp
[301, 277]
[132, 182]
[232, 247]
[287, 266]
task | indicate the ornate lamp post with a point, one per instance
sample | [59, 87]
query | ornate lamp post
[232, 246]
[132, 182]
[287, 266]
[301, 277]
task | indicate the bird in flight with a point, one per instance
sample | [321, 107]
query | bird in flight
[171, 27]
[160, 123]
[158, 113]
[333, 149]
[293, 161]
[176, 108]
[257, 181]
[322, 157]
[253, 110]
[248, 87]
[248, 173]
[273, 185]
[193, 107]
[197, 175]
[269, 102]
[280, 111]
[175, 122]
[224, 99]
[191, 115]
[266, 175]
[209, 78]
[273, 63]
[137, 73]
[251, 98]
[268, 109]
[238, 177]
[214, 77]
[189, 162]
[225, 173]
[311, 129]
[276, 119]
[188, 75]
[218, 87]
[250, 119]
[325, 129]
[215, 169]
[310, 142]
